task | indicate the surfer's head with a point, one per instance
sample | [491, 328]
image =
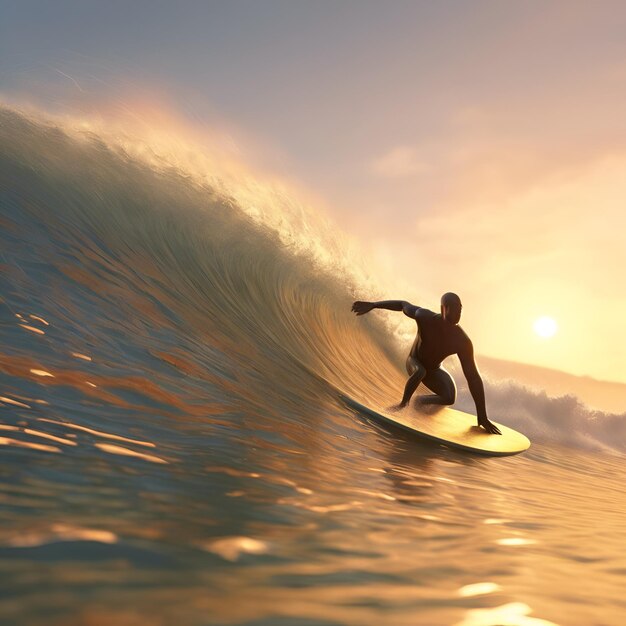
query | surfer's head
[451, 307]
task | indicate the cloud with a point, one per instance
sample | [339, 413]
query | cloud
[399, 162]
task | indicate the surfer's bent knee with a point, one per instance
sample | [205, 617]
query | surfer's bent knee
[413, 366]
[442, 384]
[450, 396]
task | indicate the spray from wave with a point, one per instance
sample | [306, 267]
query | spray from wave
[563, 420]
[144, 256]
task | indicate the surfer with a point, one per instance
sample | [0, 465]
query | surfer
[438, 336]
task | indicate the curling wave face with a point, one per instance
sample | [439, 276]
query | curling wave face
[139, 267]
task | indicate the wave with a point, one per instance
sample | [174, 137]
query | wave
[145, 263]
[563, 420]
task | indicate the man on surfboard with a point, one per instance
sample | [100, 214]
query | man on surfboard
[438, 336]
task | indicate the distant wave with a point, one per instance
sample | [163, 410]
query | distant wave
[563, 420]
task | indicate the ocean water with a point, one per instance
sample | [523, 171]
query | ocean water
[174, 448]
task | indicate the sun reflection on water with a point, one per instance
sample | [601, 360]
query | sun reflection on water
[511, 614]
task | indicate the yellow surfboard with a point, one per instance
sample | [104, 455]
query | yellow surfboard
[449, 427]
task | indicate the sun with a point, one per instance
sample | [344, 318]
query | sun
[545, 327]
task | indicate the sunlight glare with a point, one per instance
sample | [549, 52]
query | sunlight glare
[545, 327]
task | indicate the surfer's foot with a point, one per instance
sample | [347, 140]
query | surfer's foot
[397, 407]
[433, 399]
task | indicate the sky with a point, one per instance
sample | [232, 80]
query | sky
[476, 147]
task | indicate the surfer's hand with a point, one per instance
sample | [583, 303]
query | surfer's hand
[360, 308]
[490, 427]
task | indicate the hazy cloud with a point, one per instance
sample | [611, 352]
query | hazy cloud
[399, 162]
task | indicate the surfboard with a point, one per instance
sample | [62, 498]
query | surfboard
[449, 427]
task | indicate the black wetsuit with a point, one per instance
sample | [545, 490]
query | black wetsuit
[436, 339]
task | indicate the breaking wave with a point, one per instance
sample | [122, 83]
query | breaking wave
[192, 291]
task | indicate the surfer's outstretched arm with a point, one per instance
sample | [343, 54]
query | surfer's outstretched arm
[476, 387]
[360, 308]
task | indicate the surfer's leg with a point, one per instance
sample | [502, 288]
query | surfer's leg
[416, 373]
[442, 384]
[412, 364]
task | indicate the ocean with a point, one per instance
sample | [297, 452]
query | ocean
[174, 448]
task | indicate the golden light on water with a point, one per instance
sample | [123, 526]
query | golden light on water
[545, 327]
[231, 548]
[112, 449]
[478, 589]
